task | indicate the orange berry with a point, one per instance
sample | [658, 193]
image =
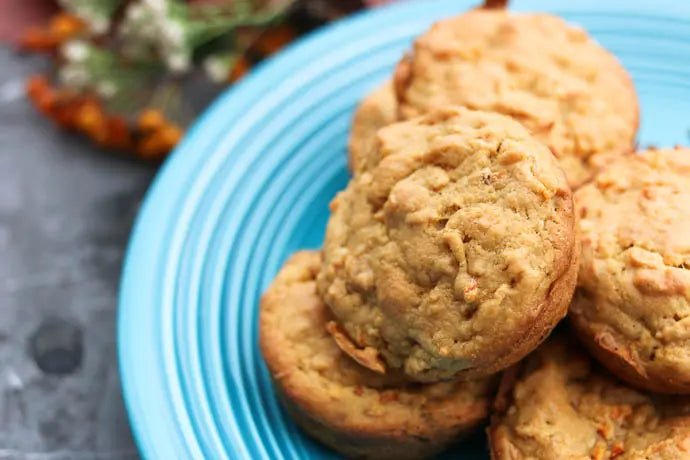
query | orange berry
[64, 114]
[64, 26]
[240, 68]
[45, 101]
[35, 85]
[274, 39]
[150, 120]
[170, 135]
[91, 120]
[119, 136]
[38, 40]
[151, 147]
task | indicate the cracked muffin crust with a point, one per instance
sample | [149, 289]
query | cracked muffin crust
[377, 109]
[572, 94]
[357, 412]
[455, 255]
[559, 405]
[633, 305]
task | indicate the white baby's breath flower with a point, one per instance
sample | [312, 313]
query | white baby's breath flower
[172, 41]
[74, 75]
[147, 26]
[217, 68]
[106, 89]
[173, 33]
[160, 6]
[178, 62]
[99, 25]
[136, 12]
[75, 51]
[139, 23]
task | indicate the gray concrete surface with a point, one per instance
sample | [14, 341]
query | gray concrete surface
[65, 214]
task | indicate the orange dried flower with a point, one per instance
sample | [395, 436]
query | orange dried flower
[240, 68]
[64, 26]
[274, 39]
[170, 135]
[158, 135]
[61, 28]
[151, 147]
[41, 95]
[156, 143]
[36, 84]
[45, 102]
[38, 40]
[150, 119]
[118, 134]
[64, 112]
[86, 115]
[91, 120]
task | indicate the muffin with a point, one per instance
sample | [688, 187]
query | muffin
[356, 412]
[376, 110]
[559, 405]
[633, 305]
[456, 254]
[572, 94]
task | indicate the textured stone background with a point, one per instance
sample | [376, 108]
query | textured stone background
[65, 215]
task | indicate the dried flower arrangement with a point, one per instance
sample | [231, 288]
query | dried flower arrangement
[119, 65]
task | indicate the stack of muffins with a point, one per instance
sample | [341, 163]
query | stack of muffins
[495, 189]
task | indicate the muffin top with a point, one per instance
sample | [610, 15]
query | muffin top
[572, 94]
[377, 109]
[558, 405]
[323, 382]
[635, 271]
[455, 254]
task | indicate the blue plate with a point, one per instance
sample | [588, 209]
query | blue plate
[251, 183]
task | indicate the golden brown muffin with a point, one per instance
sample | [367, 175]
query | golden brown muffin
[455, 255]
[633, 310]
[376, 110]
[559, 405]
[572, 94]
[354, 411]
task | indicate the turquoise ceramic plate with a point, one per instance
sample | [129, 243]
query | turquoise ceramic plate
[250, 184]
